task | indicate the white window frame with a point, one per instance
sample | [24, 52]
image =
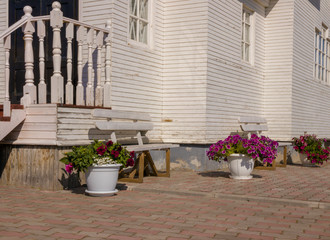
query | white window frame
[322, 55]
[251, 40]
[149, 21]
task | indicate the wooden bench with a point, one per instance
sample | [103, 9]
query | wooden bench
[256, 125]
[133, 126]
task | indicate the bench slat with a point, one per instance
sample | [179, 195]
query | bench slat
[148, 147]
[254, 128]
[107, 113]
[252, 120]
[113, 126]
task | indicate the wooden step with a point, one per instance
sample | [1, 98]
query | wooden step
[13, 106]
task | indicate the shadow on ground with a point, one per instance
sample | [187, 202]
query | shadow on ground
[217, 174]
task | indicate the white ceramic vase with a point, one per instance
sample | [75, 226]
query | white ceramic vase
[304, 161]
[240, 166]
[102, 180]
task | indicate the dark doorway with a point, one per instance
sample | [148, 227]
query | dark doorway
[17, 65]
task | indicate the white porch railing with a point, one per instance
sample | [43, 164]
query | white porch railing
[98, 95]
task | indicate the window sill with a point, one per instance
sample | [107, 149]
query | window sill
[138, 45]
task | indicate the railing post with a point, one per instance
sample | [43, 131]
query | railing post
[99, 88]
[90, 88]
[80, 87]
[29, 87]
[42, 89]
[6, 104]
[69, 86]
[57, 82]
[107, 84]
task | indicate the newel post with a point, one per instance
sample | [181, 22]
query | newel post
[57, 82]
[6, 104]
[107, 84]
[29, 89]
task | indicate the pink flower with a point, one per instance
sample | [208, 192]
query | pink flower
[69, 168]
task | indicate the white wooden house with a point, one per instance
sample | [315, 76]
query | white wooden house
[195, 66]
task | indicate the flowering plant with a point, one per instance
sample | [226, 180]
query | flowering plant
[262, 148]
[97, 153]
[313, 147]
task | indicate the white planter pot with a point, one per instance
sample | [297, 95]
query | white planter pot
[304, 161]
[240, 166]
[102, 180]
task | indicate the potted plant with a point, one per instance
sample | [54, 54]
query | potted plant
[101, 162]
[241, 153]
[311, 149]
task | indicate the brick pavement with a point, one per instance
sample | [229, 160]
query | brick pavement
[289, 203]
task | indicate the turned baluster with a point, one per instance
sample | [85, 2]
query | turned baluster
[69, 86]
[57, 81]
[107, 84]
[90, 89]
[29, 89]
[80, 87]
[99, 88]
[42, 89]
[6, 104]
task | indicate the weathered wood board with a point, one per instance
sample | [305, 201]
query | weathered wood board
[35, 166]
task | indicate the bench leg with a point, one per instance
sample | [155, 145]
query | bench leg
[285, 149]
[139, 163]
[168, 158]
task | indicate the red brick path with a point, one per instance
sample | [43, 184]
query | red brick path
[289, 203]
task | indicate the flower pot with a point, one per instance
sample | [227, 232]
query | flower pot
[240, 166]
[304, 160]
[102, 179]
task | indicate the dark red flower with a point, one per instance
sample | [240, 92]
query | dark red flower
[115, 154]
[109, 143]
[132, 154]
[101, 150]
[130, 162]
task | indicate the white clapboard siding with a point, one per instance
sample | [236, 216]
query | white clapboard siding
[185, 66]
[310, 98]
[136, 72]
[234, 88]
[278, 75]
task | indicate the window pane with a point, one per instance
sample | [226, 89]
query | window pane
[247, 52]
[247, 17]
[242, 50]
[133, 7]
[319, 72]
[315, 40]
[315, 70]
[247, 33]
[144, 9]
[132, 28]
[143, 32]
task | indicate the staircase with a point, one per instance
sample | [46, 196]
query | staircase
[7, 124]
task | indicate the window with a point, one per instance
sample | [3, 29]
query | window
[138, 20]
[321, 55]
[246, 34]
